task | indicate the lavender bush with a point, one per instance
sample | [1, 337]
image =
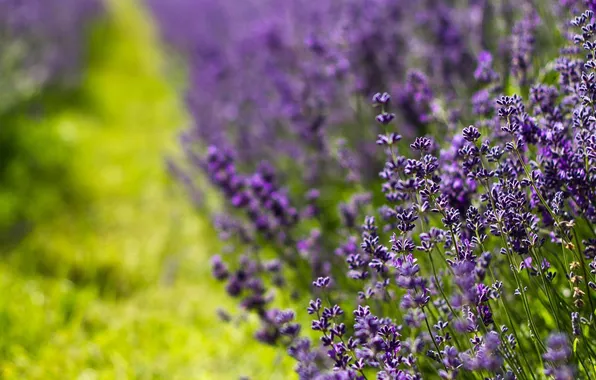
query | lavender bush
[497, 284]
[477, 256]
[278, 96]
[294, 74]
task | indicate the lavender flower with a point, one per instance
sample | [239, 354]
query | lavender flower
[557, 354]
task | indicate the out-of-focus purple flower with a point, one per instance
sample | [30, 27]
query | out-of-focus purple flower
[522, 44]
[484, 72]
[557, 355]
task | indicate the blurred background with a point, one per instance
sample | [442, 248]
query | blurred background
[103, 269]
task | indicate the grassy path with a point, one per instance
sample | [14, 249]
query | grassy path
[117, 286]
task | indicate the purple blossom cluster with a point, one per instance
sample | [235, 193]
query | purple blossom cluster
[466, 252]
[43, 43]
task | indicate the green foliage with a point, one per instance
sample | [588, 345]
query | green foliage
[108, 279]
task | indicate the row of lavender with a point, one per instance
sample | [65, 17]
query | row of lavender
[43, 45]
[467, 253]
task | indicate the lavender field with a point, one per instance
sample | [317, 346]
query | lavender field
[332, 189]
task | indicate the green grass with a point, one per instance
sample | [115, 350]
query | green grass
[113, 282]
